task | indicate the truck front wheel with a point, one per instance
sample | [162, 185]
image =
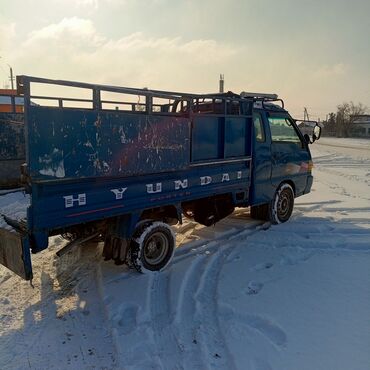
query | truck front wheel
[152, 247]
[281, 206]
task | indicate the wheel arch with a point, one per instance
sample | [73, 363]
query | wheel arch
[170, 214]
[289, 182]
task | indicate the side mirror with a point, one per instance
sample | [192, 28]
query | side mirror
[316, 133]
[311, 130]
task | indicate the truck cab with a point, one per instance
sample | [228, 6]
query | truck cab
[281, 155]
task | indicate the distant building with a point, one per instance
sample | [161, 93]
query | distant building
[360, 126]
[12, 144]
[10, 102]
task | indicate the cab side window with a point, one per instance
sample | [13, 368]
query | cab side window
[282, 130]
[259, 133]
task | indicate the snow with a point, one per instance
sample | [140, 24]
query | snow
[13, 205]
[241, 295]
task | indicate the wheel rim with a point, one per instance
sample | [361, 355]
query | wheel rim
[284, 206]
[156, 248]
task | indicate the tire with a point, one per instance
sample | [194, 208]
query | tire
[281, 207]
[152, 247]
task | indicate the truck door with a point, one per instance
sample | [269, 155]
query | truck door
[261, 190]
[290, 155]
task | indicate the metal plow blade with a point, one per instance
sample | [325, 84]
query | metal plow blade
[15, 253]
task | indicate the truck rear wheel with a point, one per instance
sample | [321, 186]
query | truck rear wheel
[281, 207]
[152, 247]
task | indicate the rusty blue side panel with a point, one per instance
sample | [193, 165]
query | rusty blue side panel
[59, 205]
[75, 143]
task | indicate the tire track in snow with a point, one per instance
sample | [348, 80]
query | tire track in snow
[193, 356]
[207, 312]
[206, 316]
[166, 343]
[197, 301]
[157, 334]
[264, 325]
[341, 145]
[235, 226]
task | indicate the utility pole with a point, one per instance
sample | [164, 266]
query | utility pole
[305, 114]
[222, 81]
[11, 77]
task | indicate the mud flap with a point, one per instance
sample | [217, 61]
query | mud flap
[15, 253]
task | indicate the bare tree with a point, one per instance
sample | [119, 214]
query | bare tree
[330, 125]
[346, 113]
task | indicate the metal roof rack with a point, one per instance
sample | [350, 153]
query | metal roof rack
[262, 98]
[259, 96]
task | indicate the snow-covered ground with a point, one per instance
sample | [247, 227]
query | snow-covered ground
[237, 296]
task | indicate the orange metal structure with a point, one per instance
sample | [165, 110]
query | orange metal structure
[6, 106]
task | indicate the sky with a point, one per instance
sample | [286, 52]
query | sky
[313, 54]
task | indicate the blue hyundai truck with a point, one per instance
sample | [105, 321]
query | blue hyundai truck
[120, 165]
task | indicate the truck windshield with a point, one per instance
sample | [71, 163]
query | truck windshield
[282, 130]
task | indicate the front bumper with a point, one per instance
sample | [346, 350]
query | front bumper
[308, 184]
